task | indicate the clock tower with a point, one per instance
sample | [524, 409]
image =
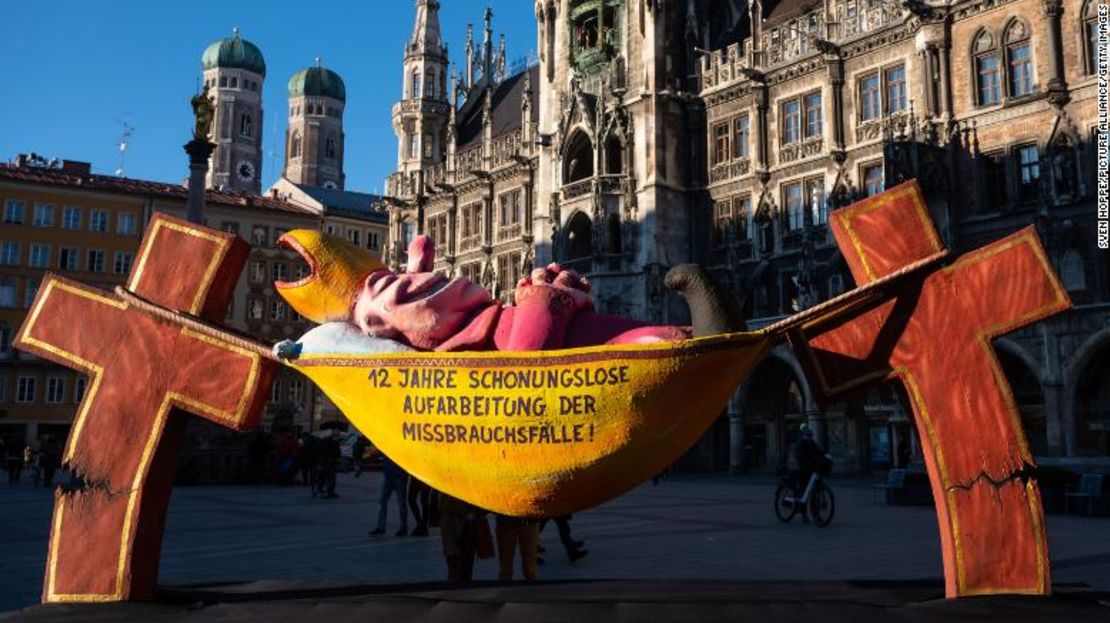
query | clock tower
[233, 73]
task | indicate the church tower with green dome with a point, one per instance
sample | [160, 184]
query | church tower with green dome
[314, 140]
[233, 73]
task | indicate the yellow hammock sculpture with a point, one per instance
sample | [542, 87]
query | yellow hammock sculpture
[547, 433]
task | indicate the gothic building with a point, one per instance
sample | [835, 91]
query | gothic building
[657, 132]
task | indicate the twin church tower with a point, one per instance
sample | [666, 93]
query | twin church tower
[234, 70]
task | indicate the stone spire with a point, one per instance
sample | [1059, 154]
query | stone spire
[487, 48]
[425, 34]
[469, 56]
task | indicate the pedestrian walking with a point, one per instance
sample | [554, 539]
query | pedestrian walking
[48, 460]
[418, 494]
[573, 548]
[358, 454]
[310, 457]
[460, 530]
[511, 533]
[394, 481]
[329, 455]
[31, 464]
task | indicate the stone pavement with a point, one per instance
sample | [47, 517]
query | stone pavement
[706, 527]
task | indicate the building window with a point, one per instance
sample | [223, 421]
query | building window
[793, 207]
[277, 310]
[869, 99]
[742, 144]
[329, 148]
[508, 271]
[79, 388]
[895, 89]
[98, 221]
[25, 390]
[55, 390]
[723, 221]
[372, 241]
[414, 89]
[280, 271]
[13, 212]
[44, 215]
[1019, 62]
[40, 256]
[234, 82]
[260, 236]
[872, 179]
[791, 122]
[9, 253]
[122, 265]
[125, 224]
[7, 293]
[414, 146]
[96, 261]
[5, 341]
[1090, 36]
[230, 227]
[993, 172]
[812, 104]
[742, 216]
[246, 125]
[437, 231]
[67, 258]
[296, 390]
[295, 145]
[510, 208]
[721, 151]
[987, 70]
[1029, 166]
[472, 220]
[354, 236]
[815, 198]
[71, 217]
[30, 292]
[255, 310]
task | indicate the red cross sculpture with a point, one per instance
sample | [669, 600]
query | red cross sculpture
[106, 536]
[933, 333]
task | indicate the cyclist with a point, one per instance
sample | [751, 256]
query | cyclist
[811, 458]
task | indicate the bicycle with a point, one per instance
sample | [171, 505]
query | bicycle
[817, 497]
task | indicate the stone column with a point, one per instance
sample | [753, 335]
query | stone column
[1057, 86]
[836, 79]
[199, 153]
[945, 86]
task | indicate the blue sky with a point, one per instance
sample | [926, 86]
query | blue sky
[74, 69]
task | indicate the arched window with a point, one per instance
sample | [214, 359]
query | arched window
[578, 162]
[1019, 59]
[580, 237]
[1089, 28]
[414, 90]
[430, 84]
[295, 145]
[246, 125]
[1072, 273]
[988, 70]
[329, 148]
[614, 156]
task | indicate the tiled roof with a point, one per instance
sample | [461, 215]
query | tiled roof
[146, 188]
[507, 98]
[348, 203]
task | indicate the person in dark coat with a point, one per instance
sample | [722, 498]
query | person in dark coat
[394, 481]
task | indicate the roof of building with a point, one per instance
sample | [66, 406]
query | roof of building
[776, 12]
[348, 203]
[128, 186]
[507, 97]
[234, 52]
[317, 81]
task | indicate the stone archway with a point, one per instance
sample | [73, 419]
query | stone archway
[773, 401]
[1091, 402]
[1024, 376]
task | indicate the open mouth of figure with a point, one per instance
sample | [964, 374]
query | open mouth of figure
[288, 242]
